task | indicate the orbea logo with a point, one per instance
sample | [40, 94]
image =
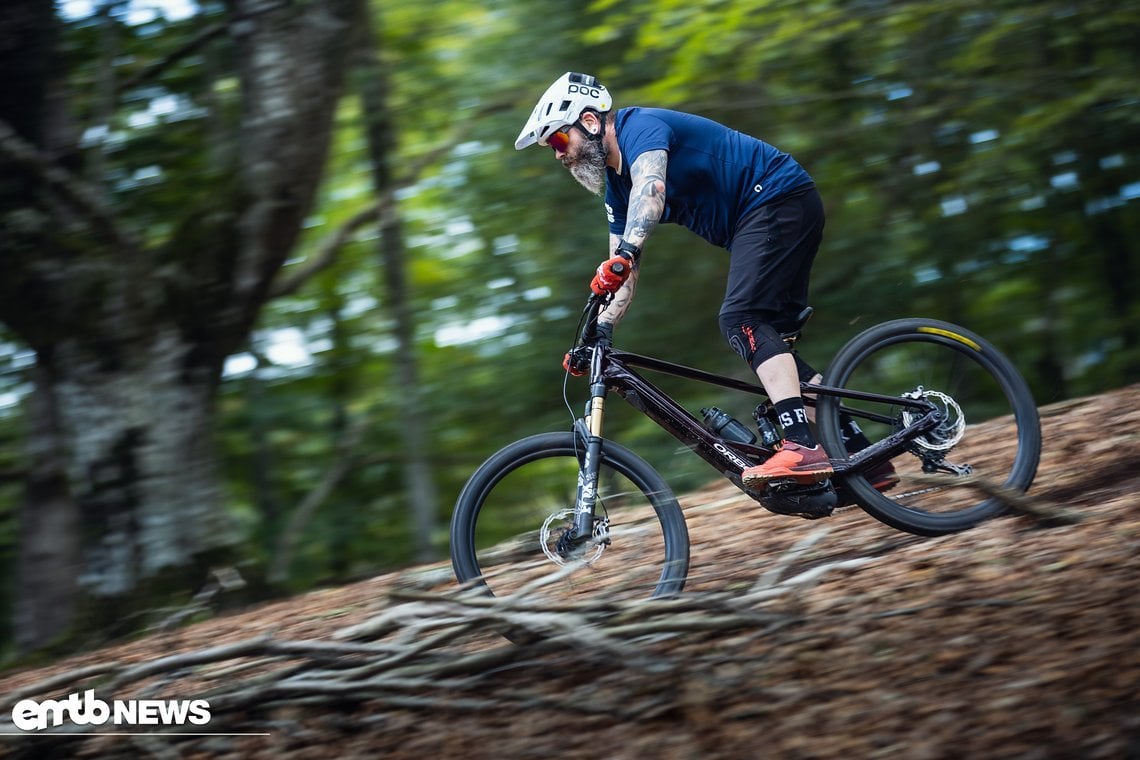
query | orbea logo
[30, 715]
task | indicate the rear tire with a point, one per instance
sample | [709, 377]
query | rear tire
[1000, 441]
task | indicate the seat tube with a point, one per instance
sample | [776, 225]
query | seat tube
[587, 495]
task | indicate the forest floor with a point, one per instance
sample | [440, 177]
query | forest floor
[1012, 640]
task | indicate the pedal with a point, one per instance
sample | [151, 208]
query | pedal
[811, 501]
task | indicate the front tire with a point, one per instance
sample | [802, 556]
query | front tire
[498, 534]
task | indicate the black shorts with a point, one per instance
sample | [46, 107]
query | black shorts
[772, 254]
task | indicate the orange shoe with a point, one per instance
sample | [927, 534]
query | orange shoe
[792, 461]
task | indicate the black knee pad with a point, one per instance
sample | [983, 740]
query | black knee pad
[755, 340]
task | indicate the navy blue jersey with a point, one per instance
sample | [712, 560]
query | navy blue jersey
[715, 175]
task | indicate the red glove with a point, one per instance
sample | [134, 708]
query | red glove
[611, 275]
[571, 364]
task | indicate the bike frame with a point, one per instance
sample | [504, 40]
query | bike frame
[611, 370]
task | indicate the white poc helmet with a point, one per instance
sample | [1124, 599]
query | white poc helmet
[562, 104]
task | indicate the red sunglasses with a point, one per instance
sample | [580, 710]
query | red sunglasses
[559, 141]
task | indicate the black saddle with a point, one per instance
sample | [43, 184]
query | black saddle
[791, 335]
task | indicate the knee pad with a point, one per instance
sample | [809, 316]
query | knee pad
[754, 340]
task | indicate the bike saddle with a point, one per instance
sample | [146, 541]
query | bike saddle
[791, 336]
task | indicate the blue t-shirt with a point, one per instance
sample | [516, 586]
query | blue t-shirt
[715, 174]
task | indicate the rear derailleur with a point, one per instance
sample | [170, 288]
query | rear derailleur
[935, 462]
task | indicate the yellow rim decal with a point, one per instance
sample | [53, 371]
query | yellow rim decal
[951, 335]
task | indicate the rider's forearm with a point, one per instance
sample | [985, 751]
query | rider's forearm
[617, 308]
[647, 196]
[646, 205]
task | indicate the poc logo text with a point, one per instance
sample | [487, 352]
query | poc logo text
[593, 92]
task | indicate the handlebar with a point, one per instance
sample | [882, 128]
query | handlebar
[582, 355]
[594, 305]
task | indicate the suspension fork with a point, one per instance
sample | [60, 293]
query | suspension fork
[585, 502]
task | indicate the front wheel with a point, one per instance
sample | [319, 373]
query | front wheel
[509, 531]
[989, 429]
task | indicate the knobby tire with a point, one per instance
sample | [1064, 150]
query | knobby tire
[498, 513]
[1002, 435]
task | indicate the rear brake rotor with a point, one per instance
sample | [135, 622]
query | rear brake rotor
[948, 432]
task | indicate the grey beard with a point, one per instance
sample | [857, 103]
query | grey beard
[589, 168]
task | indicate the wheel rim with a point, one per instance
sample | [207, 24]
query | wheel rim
[981, 434]
[522, 514]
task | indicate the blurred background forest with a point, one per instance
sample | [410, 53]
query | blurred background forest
[273, 279]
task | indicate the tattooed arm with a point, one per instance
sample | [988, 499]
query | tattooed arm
[646, 205]
[616, 308]
[647, 196]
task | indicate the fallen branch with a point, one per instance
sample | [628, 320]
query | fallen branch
[430, 627]
[430, 651]
[1014, 500]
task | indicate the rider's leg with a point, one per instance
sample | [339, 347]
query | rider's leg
[772, 254]
[883, 476]
[800, 457]
[782, 384]
[807, 374]
[779, 377]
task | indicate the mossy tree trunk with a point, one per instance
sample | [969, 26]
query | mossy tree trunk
[131, 331]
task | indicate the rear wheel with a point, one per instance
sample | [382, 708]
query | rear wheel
[509, 531]
[990, 427]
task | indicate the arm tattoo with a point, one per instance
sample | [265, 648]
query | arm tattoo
[616, 308]
[647, 196]
[646, 204]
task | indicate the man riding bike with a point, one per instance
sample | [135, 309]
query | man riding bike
[737, 192]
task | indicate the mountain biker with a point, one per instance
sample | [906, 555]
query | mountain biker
[654, 165]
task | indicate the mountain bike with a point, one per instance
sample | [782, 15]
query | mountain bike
[572, 512]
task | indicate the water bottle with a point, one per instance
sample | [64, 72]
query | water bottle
[726, 427]
[769, 433]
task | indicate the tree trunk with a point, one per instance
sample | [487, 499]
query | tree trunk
[124, 496]
[419, 483]
[48, 564]
[142, 465]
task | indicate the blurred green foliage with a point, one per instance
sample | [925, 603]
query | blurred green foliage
[978, 160]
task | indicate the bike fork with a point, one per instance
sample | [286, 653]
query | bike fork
[587, 496]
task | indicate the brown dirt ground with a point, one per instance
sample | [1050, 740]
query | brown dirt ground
[1007, 641]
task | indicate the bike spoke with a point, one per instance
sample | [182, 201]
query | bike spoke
[523, 518]
[988, 427]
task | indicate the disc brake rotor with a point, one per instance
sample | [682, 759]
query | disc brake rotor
[550, 537]
[949, 431]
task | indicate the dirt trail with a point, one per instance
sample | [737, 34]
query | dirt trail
[1010, 640]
